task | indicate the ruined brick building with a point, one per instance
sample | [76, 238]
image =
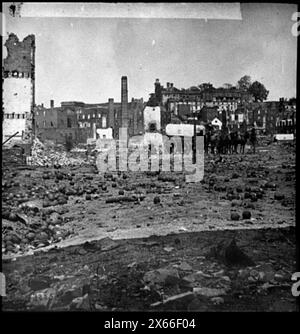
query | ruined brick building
[18, 85]
[80, 121]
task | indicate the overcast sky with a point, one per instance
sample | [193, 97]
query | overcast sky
[83, 59]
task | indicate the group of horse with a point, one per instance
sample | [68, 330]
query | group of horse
[226, 143]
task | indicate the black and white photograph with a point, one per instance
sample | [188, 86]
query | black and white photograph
[149, 159]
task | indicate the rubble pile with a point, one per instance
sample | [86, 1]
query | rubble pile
[25, 233]
[46, 156]
[13, 156]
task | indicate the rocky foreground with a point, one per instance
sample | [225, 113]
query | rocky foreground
[74, 239]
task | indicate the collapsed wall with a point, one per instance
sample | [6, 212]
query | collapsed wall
[18, 85]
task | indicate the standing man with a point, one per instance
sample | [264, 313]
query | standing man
[253, 138]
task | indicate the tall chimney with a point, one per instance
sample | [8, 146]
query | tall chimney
[51, 103]
[111, 113]
[124, 102]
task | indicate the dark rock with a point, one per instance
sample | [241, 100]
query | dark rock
[30, 236]
[81, 303]
[247, 195]
[278, 196]
[236, 202]
[156, 200]
[239, 189]
[246, 214]
[39, 283]
[42, 300]
[234, 216]
[69, 295]
[253, 197]
[235, 256]
[42, 236]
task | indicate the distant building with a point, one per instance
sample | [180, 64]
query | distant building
[58, 124]
[204, 100]
[79, 121]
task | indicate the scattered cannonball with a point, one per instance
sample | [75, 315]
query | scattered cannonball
[236, 202]
[271, 185]
[259, 195]
[62, 201]
[253, 197]
[51, 197]
[156, 200]
[10, 248]
[13, 217]
[5, 214]
[230, 197]
[246, 214]
[42, 236]
[239, 189]
[15, 239]
[8, 238]
[249, 206]
[177, 241]
[234, 216]
[55, 218]
[278, 196]
[30, 236]
[114, 185]
[46, 203]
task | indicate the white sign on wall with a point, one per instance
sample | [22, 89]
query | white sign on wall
[152, 115]
[285, 136]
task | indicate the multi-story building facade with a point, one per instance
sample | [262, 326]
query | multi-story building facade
[183, 102]
[233, 107]
[80, 121]
[58, 124]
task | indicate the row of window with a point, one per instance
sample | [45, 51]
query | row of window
[14, 116]
[87, 124]
[69, 123]
[288, 122]
[16, 74]
[88, 116]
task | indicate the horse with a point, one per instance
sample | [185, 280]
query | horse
[243, 140]
[214, 142]
[234, 142]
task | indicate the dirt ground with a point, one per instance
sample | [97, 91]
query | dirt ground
[74, 239]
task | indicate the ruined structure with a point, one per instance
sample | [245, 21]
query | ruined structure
[18, 84]
[80, 121]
